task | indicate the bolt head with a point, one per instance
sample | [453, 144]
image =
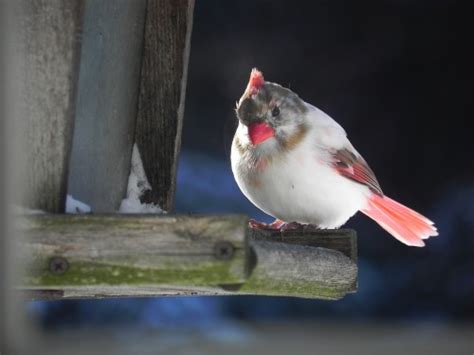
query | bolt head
[224, 250]
[58, 265]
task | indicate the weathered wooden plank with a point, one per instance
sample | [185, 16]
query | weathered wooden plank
[88, 256]
[343, 240]
[162, 93]
[107, 102]
[118, 291]
[282, 269]
[141, 251]
[276, 269]
[49, 42]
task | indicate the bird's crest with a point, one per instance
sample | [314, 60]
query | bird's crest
[256, 81]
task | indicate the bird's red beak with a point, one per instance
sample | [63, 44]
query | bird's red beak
[260, 132]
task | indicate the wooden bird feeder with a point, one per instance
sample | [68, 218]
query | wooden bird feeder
[101, 76]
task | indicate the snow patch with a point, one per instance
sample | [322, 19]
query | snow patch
[76, 207]
[137, 185]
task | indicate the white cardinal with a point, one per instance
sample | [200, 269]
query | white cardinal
[295, 163]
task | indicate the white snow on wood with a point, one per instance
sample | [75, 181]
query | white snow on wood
[75, 206]
[137, 185]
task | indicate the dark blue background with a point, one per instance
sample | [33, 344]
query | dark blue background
[396, 75]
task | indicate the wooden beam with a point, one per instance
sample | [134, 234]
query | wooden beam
[49, 42]
[308, 263]
[90, 256]
[162, 93]
[107, 102]
[135, 251]
[343, 240]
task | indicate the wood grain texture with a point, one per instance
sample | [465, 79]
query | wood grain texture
[140, 252]
[291, 270]
[162, 94]
[107, 102]
[91, 256]
[343, 240]
[49, 43]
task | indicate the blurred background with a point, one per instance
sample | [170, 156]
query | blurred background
[396, 75]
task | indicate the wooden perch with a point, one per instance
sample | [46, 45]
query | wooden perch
[93, 256]
[309, 263]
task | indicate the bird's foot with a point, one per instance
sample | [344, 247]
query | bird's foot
[275, 225]
[279, 225]
[292, 226]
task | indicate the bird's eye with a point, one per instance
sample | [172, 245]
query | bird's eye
[275, 111]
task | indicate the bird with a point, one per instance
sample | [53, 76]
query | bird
[296, 164]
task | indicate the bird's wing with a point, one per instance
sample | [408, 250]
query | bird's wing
[354, 167]
[330, 138]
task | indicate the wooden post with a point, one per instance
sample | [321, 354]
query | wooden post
[49, 42]
[107, 102]
[83, 256]
[162, 92]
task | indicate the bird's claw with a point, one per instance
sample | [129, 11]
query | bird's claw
[275, 225]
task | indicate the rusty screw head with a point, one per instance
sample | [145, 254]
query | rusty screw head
[58, 265]
[224, 250]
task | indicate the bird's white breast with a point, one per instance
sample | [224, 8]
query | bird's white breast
[298, 186]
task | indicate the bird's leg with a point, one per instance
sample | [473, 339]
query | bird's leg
[275, 225]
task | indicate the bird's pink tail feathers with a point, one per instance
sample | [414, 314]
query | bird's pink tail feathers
[406, 225]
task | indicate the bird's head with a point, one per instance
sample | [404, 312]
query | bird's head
[270, 111]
